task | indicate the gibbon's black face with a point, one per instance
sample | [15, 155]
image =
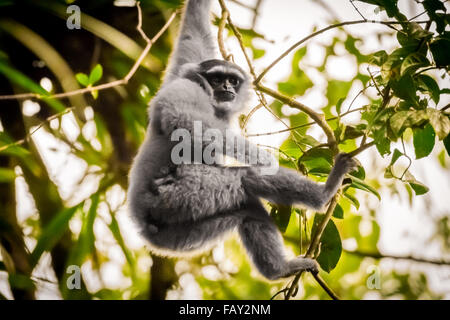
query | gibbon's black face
[225, 86]
[224, 78]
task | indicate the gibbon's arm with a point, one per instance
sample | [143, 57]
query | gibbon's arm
[168, 118]
[195, 41]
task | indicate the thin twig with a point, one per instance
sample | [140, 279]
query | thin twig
[104, 86]
[302, 125]
[222, 23]
[28, 136]
[374, 82]
[357, 10]
[377, 255]
[325, 286]
[312, 35]
[256, 13]
[363, 147]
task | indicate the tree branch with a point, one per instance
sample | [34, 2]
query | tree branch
[108, 85]
[317, 117]
[313, 248]
[312, 35]
[378, 256]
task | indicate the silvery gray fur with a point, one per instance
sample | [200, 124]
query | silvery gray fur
[186, 208]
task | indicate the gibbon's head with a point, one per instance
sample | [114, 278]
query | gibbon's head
[226, 83]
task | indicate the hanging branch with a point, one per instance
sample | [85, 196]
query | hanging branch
[108, 85]
[313, 248]
[317, 117]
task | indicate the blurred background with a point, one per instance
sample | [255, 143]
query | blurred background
[64, 162]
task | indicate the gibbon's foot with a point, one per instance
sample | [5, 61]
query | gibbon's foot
[302, 264]
[345, 162]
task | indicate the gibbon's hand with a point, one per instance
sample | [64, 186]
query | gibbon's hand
[345, 163]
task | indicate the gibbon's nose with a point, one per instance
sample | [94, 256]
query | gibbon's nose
[227, 86]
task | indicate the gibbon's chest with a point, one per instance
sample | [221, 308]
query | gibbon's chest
[185, 93]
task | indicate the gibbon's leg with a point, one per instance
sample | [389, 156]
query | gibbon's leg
[264, 245]
[289, 187]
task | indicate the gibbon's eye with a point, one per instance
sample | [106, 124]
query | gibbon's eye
[215, 80]
[233, 81]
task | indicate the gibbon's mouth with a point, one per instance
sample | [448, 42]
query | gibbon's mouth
[224, 96]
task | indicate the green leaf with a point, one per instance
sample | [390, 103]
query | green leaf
[338, 212]
[298, 81]
[258, 53]
[82, 78]
[352, 199]
[95, 74]
[429, 85]
[52, 233]
[397, 154]
[336, 90]
[351, 133]
[431, 6]
[406, 119]
[447, 144]
[114, 227]
[359, 173]
[390, 67]
[404, 88]
[290, 148]
[86, 239]
[413, 62]
[423, 139]
[298, 120]
[388, 173]
[418, 187]
[382, 143]
[440, 48]
[330, 244]
[281, 214]
[317, 158]
[389, 5]
[440, 122]
[360, 184]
